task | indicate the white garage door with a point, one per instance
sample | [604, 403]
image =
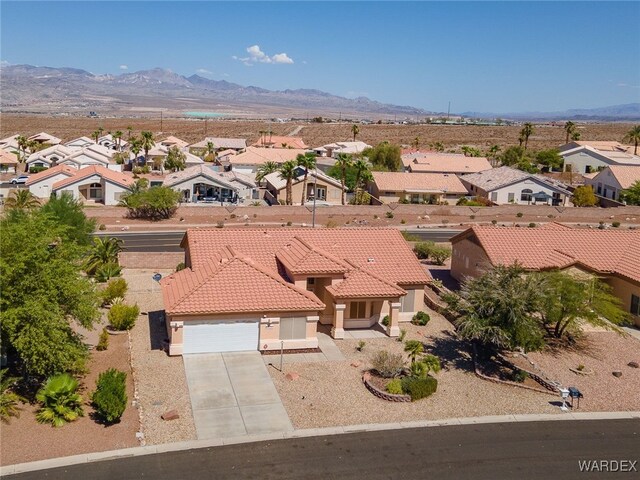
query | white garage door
[221, 336]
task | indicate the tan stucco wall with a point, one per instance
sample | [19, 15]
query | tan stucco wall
[623, 289]
[467, 260]
[333, 193]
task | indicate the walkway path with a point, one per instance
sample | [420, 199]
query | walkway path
[295, 131]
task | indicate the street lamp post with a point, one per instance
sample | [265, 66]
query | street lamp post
[315, 194]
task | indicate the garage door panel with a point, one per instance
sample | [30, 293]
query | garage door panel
[221, 336]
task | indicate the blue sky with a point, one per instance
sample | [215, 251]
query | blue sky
[481, 56]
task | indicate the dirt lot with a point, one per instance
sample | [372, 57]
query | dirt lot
[25, 440]
[314, 135]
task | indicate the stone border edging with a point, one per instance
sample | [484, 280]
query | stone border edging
[311, 432]
[389, 397]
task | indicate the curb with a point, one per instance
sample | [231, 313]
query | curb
[310, 432]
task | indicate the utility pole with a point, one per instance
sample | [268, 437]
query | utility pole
[448, 109]
[161, 122]
[205, 126]
[315, 194]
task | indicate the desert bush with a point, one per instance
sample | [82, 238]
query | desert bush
[519, 376]
[389, 214]
[403, 221]
[385, 321]
[361, 345]
[180, 266]
[102, 227]
[388, 365]
[423, 249]
[615, 224]
[107, 271]
[60, 401]
[110, 396]
[494, 221]
[421, 318]
[440, 254]
[519, 214]
[103, 341]
[117, 287]
[122, 316]
[331, 224]
[532, 225]
[419, 388]
[403, 334]
[394, 387]
[8, 399]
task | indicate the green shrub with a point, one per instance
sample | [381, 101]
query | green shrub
[102, 227]
[394, 387]
[107, 271]
[532, 225]
[615, 224]
[389, 214]
[37, 169]
[403, 221]
[403, 334]
[123, 317]
[289, 223]
[494, 221]
[60, 401]
[519, 376]
[361, 345]
[419, 388]
[180, 266]
[519, 214]
[440, 254]
[110, 396]
[388, 365]
[116, 287]
[103, 341]
[423, 249]
[421, 318]
[8, 399]
[385, 321]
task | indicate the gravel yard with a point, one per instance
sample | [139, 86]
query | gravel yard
[332, 393]
[160, 379]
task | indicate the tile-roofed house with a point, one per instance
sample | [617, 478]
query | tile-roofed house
[92, 154]
[206, 183]
[41, 183]
[8, 161]
[610, 181]
[434, 188]
[458, 164]
[333, 149]
[172, 141]
[509, 185]
[277, 284]
[586, 158]
[95, 184]
[602, 146]
[327, 189]
[610, 254]
[49, 156]
[220, 143]
[272, 141]
[10, 144]
[79, 142]
[44, 137]
[250, 160]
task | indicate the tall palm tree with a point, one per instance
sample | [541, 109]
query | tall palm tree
[147, 144]
[343, 162]
[308, 162]
[363, 173]
[210, 150]
[129, 132]
[355, 129]
[100, 130]
[569, 128]
[21, 200]
[288, 171]
[262, 134]
[525, 133]
[96, 135]
[265, 169]
[117, 136]
[633, 136]
[135, 147]
[23, 143]
[103, 251]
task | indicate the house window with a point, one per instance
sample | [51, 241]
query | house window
[635, 305]
[311, 284]
[599, 188]
[408, 301]
[525, 196]
[512, 197]
[322, 193]
[95, 191]
[293, 328]
[494, 196]
[358, 310]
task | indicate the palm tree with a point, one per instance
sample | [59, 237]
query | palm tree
[210, 150]
[262, 134]
[416, 143]
[23, 143]
[104, 250]
[343, 162]
[22, 200]
[8, 399]
[633, 136]
[525, 133]
[289, 171]
[147, 144]
[96, 135]
[569, 128]
[129, 131]
[414, 348]
[135, 147]
[308, 162]
[355, 130]
[117, 136]
[60, 401]
[100, 130]
[265, 169]
[363, 174]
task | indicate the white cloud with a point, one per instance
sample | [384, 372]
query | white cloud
[256, 55]
[124, 67]
[4, 63]
[204, 71]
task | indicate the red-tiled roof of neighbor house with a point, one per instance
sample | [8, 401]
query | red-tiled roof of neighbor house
[118, 178]
[383, 251]
[50, 172]
[361, 283]
[230, 283]
[626, 175]
[557, 246]
[298, 257]
[418, 182]
[280, 142]
[258, 156]
[7, 158]
[444, 162]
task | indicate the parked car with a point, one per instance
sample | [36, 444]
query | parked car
[22, 179]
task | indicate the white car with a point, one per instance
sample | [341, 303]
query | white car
[22, 179]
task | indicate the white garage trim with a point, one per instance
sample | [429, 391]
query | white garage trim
[221, 336]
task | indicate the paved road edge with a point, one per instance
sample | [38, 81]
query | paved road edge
[312, 432]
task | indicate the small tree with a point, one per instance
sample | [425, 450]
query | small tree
[21, 200]
[440, 254]
[343, 162]
[60, 401]
[8, 399]
[424, 249]
[631, 195]
[583, 196]
[116, 288]
[110, 396]
[175, 160]
[156, 203]
[414, 348]
[355, 130]
[122, 316]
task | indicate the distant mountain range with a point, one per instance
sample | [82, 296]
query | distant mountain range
[625, 112]
[26, 88]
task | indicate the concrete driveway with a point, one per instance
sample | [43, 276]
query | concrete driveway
[232, 394]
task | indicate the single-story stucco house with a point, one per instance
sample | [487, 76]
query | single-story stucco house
[432, 162]
[95, 184]
[585, 159]
[612, 255]
[204, 183]
[327, 189]
[249, 161]
[41, 184]
[613, 179]
[434, 188]
[266, 289]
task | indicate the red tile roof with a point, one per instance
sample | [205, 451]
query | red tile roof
[559, 246]
[50, 172]
[230, 283]
[298, 257]
[361, 283]
[118, 178]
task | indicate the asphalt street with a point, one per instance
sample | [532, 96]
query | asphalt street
[521, 451]
[170, 241]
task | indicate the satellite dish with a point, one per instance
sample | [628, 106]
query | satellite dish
[157, 277]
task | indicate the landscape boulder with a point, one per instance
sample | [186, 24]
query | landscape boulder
[617, 373]
[293, 376]
[170, 415]
[633, 364]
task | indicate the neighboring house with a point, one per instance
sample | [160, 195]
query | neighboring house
[238, 145]
[509, 185]
[609, 182]
[433, 188]
[266, 289]
[203, 183]
[458, 164]
[607, 146]
[48, 157]
[332, 150]
[612, 255]
[327, 189]
[249, 161]
[112, 143]
[172, 141]
[80, 142]
[586, 159]
[95, 184]
[44, 137]
[158, 155]
[8, 162]
[223, 156]
[41, 184]
[271, 141]
[92, 155]
[10, 144]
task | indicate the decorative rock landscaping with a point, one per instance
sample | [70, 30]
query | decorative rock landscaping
[390, 397]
